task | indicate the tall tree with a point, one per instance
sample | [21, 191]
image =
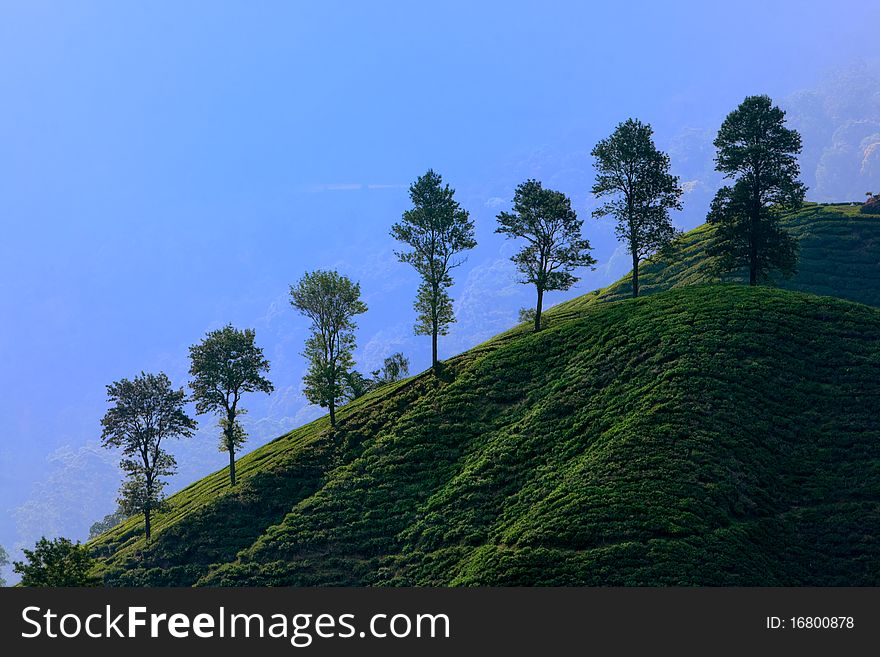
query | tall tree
[145, 412]
[759, 154]
[58, 562]
[225, 365]
[331, 301]
[636, 176]
[554, 246]
[436, 229]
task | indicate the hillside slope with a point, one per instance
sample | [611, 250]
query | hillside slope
[839, 257]
[703, 435]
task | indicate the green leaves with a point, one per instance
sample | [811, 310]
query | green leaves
[434, 307]
[329, 299]
[224, 365]
[748, 235]
[355, 384]
[145, 411]
[233, 434]
[554, 248]
[58, 562]
[436, 228]
[753, 140]
[394, 368]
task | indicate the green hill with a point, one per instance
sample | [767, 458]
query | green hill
[708, 434]
[839, 257]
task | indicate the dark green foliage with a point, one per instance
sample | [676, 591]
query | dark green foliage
[144, 412]
[554, 247]
[636, 176]
[708, 435]
[436, 230]
[331, 301]
[394, 368]
[226, 364]
[58, 562]
[355, 385]
[759, 153]
[108, 522]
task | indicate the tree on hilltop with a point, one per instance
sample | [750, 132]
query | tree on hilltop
[635, 175]
[145, 413]
[554, 246]
[759, 154]
[331, 301]
[436, 230]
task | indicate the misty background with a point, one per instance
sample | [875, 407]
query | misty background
[166, 168]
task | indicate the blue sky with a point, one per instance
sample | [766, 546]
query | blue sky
[168, 167]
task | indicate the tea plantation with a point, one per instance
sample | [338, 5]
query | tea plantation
[703, 434]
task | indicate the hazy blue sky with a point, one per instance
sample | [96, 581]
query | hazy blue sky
[168, 167]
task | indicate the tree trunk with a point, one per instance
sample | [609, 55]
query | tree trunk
[538, 307]
[753, 257]
[332, 408]
[754, 223]
[635, 277]
[435, 327]
[148, 505]
[230, 444]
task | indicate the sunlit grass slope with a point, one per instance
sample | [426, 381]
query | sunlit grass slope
[709, 434]
[839, 256]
